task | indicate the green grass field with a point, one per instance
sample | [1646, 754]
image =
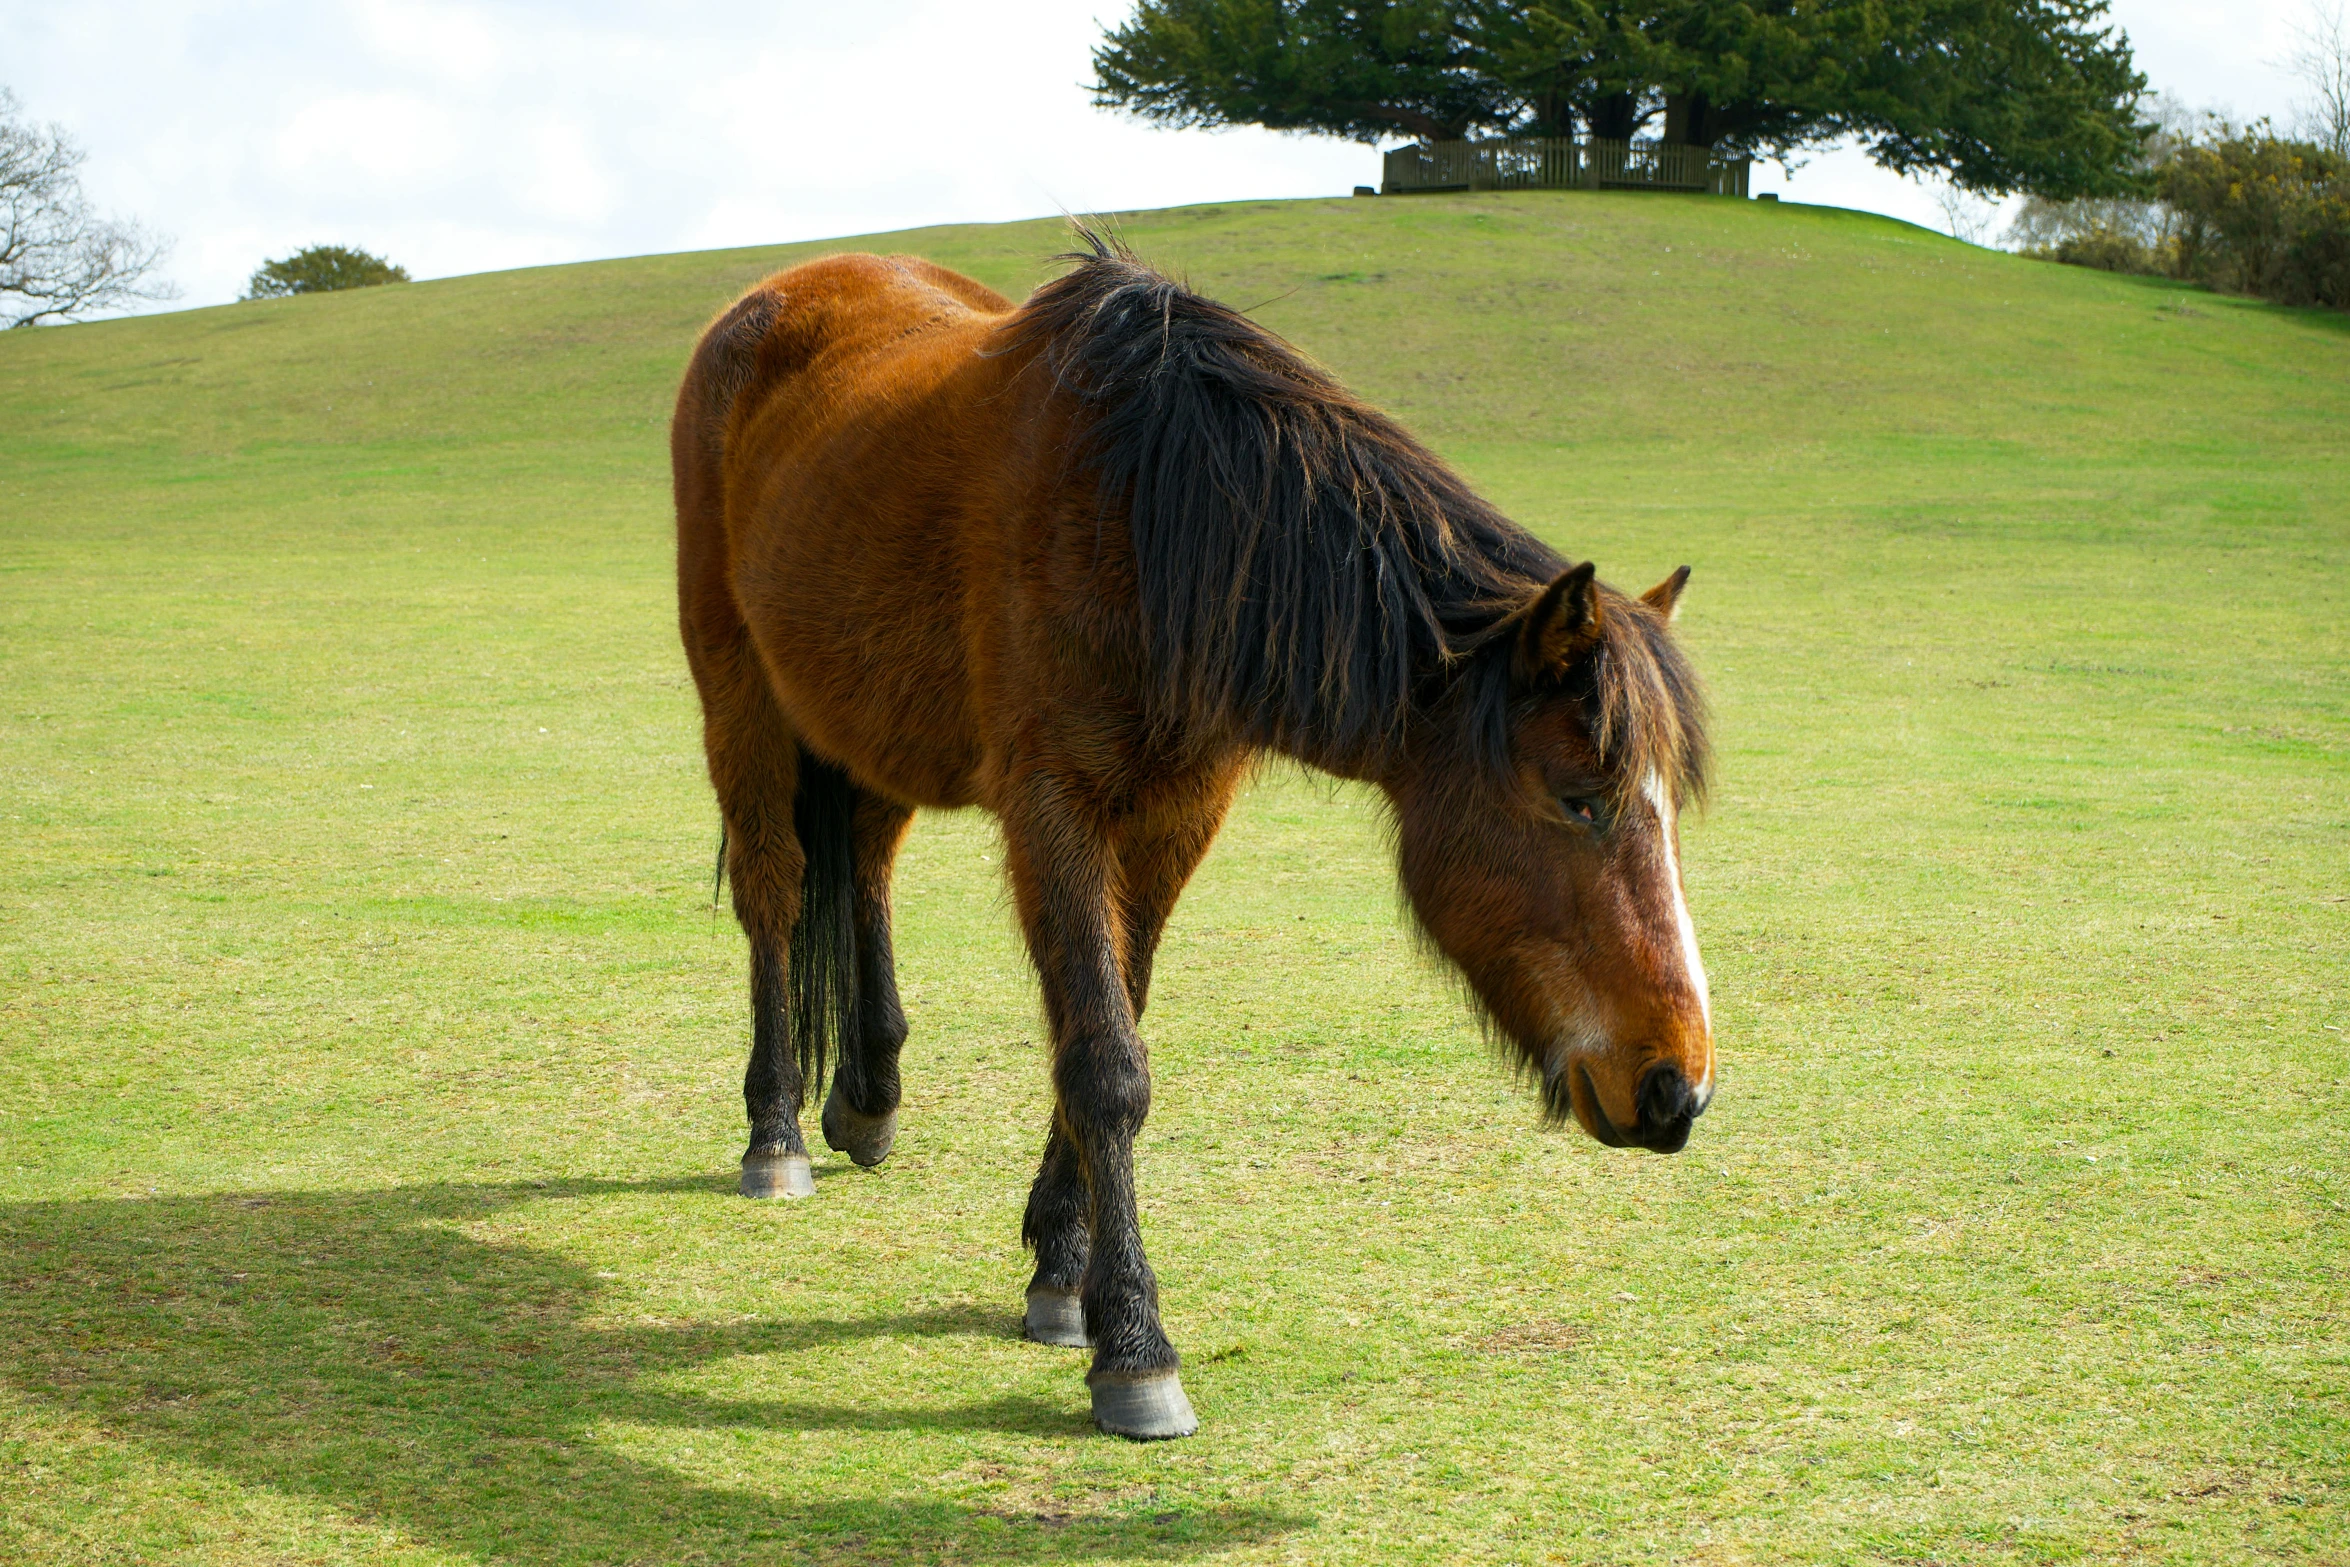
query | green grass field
[370, 1052]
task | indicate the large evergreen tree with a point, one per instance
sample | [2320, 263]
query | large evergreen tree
[1367, 71]
[1998, 95]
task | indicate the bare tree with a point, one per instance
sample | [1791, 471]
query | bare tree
[2321, 58]
[58, 258]
[2043, 225]
[1968, 217]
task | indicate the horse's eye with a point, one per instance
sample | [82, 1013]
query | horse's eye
[1579, 809]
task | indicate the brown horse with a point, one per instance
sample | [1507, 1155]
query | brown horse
[1078, 562]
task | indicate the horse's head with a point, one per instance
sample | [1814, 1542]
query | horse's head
[1553, 879]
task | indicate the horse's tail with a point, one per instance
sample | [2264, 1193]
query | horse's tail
[823, 978]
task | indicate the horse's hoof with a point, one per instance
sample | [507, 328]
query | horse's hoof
[1057, 1317]
[1149, 1409]
[864, 1138]
[778, 1175]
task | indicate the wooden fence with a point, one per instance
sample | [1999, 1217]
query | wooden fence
[1561, 163]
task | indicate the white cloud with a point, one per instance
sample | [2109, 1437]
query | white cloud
[455, 43]
[382, 141]
[458, 135]
[569, 181]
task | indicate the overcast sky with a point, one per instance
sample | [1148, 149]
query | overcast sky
[464, 137]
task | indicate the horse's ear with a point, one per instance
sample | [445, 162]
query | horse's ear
[1560, 625]
[1665, 597]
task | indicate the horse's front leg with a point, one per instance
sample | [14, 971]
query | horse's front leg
[1157, 848]
[1058, 1228]
[1063, 872]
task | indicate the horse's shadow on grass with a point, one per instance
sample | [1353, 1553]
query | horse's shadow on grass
[360, 1349]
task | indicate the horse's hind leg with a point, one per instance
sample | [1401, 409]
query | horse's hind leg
[754, 767]
[765, 863]
[861, 1112]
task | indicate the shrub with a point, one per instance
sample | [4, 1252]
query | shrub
[2317, 263]
[2108, 250]
[322, 269]
[2248, 203]
[2238, 208]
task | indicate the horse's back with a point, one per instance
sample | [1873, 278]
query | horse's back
[821, 320]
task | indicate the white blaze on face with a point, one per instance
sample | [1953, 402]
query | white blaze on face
[1652, 788]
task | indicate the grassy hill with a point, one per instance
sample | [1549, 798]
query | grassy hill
[369, 1051]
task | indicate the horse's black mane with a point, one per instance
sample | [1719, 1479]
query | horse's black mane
[1304, 565]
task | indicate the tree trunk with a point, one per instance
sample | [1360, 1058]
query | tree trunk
[1690, 120]
[1554, 114]
[1616, 116]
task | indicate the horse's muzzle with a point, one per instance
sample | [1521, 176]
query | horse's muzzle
[1667, 1105]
